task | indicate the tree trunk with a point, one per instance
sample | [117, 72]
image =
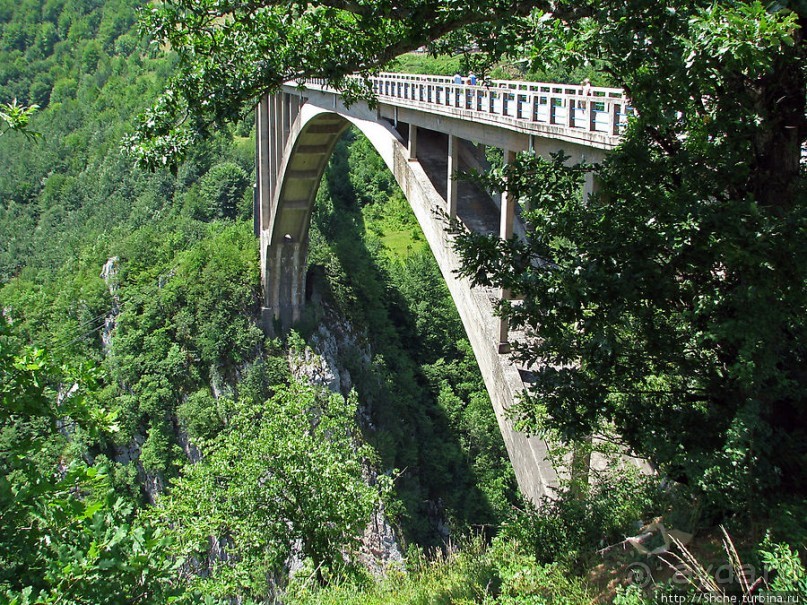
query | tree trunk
[780, 101]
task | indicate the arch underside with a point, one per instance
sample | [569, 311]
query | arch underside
[312, 138]
[285, 243]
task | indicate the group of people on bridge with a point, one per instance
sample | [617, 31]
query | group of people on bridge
[469, 80]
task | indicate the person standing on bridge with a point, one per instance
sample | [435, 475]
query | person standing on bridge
[472, 78]
[457, 78]
[585, 90]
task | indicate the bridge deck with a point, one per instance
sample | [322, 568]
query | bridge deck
[475, 208]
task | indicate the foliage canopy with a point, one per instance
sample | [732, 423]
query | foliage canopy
[67, 536]
[298, 489]
[670, 305]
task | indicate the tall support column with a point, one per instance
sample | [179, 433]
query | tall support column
[413, 143]
[284, 256]
[581, 467]
[277, 130]
[256, 186]
[290, 281]
[285, 110]
[591, 185]
[265, 173]
[299, 254]
[508, 210]
[453, 166]
[294, 109]
[270, 135]
[265, 180]
[256, 189]
[526, 206]
[270, 146]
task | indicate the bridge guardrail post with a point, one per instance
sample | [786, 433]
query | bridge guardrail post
[615, 115]
[571, 108]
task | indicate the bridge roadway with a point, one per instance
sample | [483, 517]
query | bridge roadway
[426, 129]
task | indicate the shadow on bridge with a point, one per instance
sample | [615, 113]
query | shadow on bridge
[475, 207]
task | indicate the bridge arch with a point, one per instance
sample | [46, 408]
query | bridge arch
[309, 146]
[309, 133]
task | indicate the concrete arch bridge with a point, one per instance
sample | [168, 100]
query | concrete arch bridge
[426, 128]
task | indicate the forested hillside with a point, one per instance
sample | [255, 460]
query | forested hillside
[141, 289]
[157, 447]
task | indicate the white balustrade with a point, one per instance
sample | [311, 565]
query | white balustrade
[602, 110]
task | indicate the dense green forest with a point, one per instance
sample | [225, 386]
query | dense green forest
[156, 447]
[142, 290]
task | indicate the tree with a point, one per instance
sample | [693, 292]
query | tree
[299, 484]
[669, 306]
[16, 117]
[67, 537]
[222, 189]
[230, 53]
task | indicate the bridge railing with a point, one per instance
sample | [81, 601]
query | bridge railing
[591, 109]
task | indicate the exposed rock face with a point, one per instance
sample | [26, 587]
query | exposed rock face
[219, 385]
[191, 451]
[318, 367]
[153, 485]
[380, 551]
[130, 454]
[109, 274]
[319, 364]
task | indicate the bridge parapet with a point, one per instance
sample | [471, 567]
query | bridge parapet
[593, 116]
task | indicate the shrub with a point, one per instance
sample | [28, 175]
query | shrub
[199, 416]
[574, 525]
[223, 188]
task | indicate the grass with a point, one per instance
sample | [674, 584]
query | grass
[393, 223]
[499, 575]
[422, 63]
[403, 242]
